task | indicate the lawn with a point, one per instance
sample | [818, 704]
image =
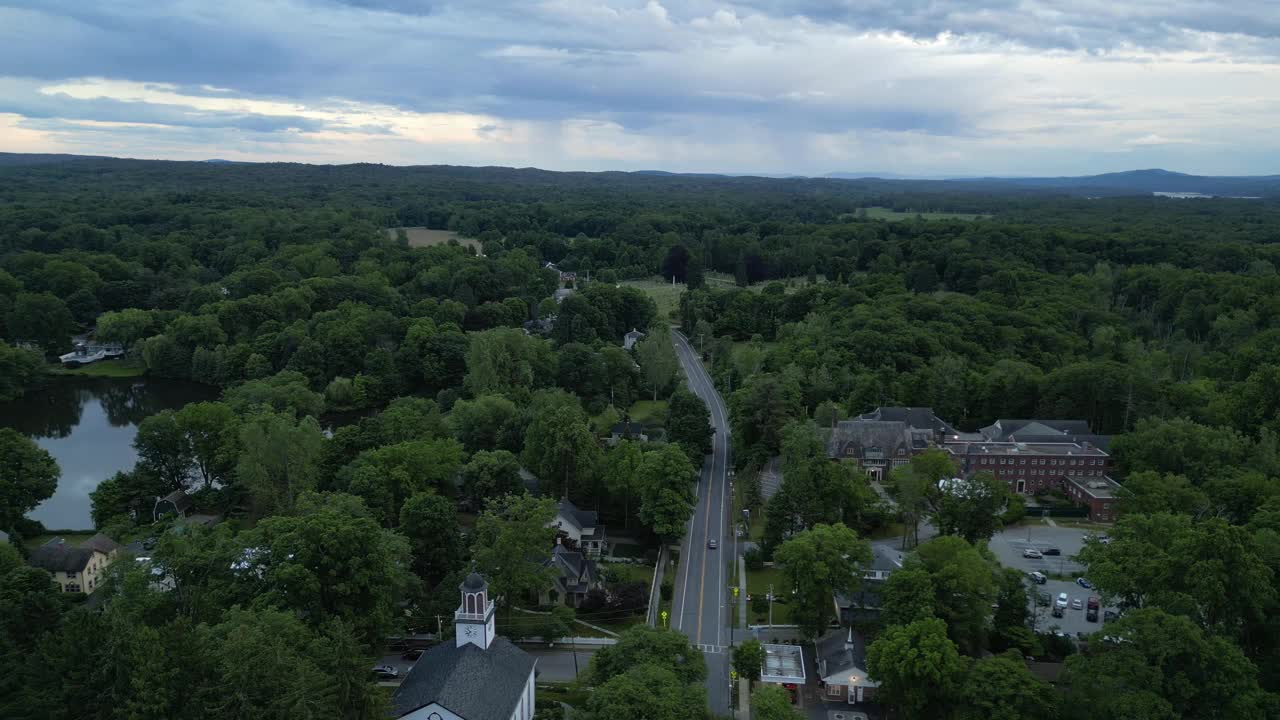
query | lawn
[72, 539]
[623, 572]
[881, 213]
[426, 237]
[665, 295]
[117, 368]
[758, 586]
[649, 412]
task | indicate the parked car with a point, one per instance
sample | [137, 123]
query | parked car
[1057, 611]
[1077, 604]
[1051, 551]
[1032, 553]
[1092, 613]
[1038, 578]
[1104, 539]
[1084, 583]
[412, 654]
[386, 672]
[712, 544]
[1062, 601]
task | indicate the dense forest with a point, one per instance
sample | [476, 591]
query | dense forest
[289, 288]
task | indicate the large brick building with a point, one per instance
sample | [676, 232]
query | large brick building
[886, 438]
[1030, 467]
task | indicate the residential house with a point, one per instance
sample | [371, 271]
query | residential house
[842, 667]
[176, 503]
[630, 339]
[479, 676]
[576, 576]
[628, 430]
[866, 602]
[583, 527]
[77, 569]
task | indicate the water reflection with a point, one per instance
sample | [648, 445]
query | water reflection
[88, 425]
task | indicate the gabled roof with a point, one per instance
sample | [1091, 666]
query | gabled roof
[577, 573]
[920, 418]
[101, 543]
[842, 653]
[889, 436]
[469, 682]
[581, 519]
[179, 499]
[628, 428]
[1003, 428]
[55, 557]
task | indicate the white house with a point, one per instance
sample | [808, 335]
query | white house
[582, 527]
[480, 676]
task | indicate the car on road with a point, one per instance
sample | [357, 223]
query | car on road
[412, 654]
[712, 544]
[1032, 553]
[1051, 551]
[1077, 604]
[1038, 578]
[1084, 583]
[386, 672]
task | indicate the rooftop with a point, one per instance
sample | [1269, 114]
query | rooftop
[961, 447]
[842, 658]
[783, 664]
[1098, 487]
[467, 681]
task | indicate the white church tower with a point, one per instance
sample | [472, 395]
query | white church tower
[473, 620]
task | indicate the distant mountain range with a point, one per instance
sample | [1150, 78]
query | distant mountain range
[1132, 182]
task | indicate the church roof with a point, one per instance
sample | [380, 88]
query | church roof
[473, 582]
[469, 682]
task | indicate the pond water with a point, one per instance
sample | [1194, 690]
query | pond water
[87, 425]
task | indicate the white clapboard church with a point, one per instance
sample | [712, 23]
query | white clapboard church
[479, 676]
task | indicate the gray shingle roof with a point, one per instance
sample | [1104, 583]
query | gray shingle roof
[888, 436]
[55, 557]
[921, 418]
[1004, 427]
[469, 682]
[577, 573]
[101, 543]
[840, 651]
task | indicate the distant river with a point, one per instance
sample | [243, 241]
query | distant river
[88, 425]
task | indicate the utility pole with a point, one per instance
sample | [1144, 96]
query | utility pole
[439, 628]
[770, 606]
[574, 640]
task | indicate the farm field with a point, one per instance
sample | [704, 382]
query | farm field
[881, 213]
[426, 237]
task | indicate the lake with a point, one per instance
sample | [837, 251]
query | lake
[87, 425]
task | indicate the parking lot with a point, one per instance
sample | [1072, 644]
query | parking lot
[1008, 545]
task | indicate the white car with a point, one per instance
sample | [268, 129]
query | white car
[1076, 604]
[1062, 601]
[1032, 553]
[386, 672]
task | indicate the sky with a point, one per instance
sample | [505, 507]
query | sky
[912, 87]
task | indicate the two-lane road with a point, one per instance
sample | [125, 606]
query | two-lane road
[699, 601]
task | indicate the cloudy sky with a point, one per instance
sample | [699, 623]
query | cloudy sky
[919, 87]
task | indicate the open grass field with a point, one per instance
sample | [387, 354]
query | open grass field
[665, 295]
[116, 368]
[426, 237]
[880, 213]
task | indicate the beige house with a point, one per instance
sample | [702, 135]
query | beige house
[77, 569]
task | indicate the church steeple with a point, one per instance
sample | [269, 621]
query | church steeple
[473, 620]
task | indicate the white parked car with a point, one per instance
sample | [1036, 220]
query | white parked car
[1062, 601]
[1032, 553]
